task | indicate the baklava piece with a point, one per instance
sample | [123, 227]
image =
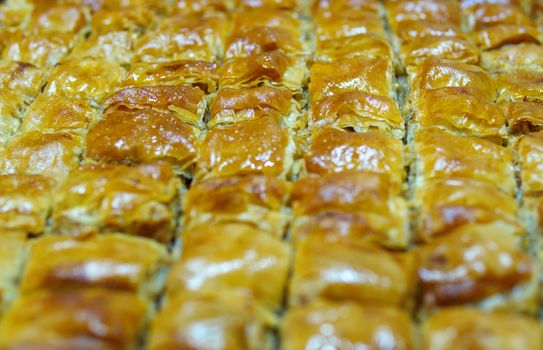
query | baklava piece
[259, 200]
[510, 58]
[455, 48]
[530, 159]
[11, 106]
[139, 200]
[194, 7]
[24, 79]
[523, 117]
[12, 256]
[521, 86]
[47, 18]
[367, 46]
[74, 319]
[250, 255]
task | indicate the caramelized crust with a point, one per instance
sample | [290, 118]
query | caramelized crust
[350, 271]
[530, 158]
[268, 4]
[113, 261]
[133, 19]
[414, 30]
[259, 201]
[56, 113]
[447, 11]
[484, 15]
[467, 328]
[271, 68]
[339, 6]
[324, 325]
[347, 22]
[498, 36]
[335, 150]
[369, 197]
[25, 203]
[138, 200]
[513, 57]
[364, 45]
[173, 73]
[74, 319]
[442, 155]
[35, 152]
[184, 37]
[262, 30]
[142, 135]
[521, 86]
[43, 50]
[228, 320]
[358, 110]
[455, 48]
[436, 73]
[89, 78]
[233, 105]
[57, 19]
[452, 204]
[523, 116]
[358, 74]
[476, 266]
[458, 110]
[259, 146]
[22, 78]
[201, 6]
[113, 47]
[232, 257]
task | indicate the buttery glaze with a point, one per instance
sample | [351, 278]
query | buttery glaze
[35, 152]
[57, 19]
[240, 104]
[358, 110]
[57, 113]
[228, 320]
[347, 22]
[350, 271]
[183, 37]
[484, 15]
[135, 200]
[263, 147]
[74, 319]
[232, 257]
[523, 116]
[111, 261]
[270, 68]
[449, 204]
[521, 86]
[84, 78]
[510, 58]
[530, 156]
[23, 78]
[423, 10]
[335, 150]
[442, 155]
[455, 48]
[335, 325]
[356, 74]
[459, 110]
[114, 47]
[260, 201]
[364, 45]
[415, 30]
[25, 202]
[260, 30]
[498, 36]
[12, 256]
[142, 135]
[11, 106]
[469, 267]
[132, 19]
[466, 328]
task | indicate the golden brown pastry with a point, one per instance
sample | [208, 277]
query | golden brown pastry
[25, 203]
[232, 105]
[142, 135]
[262, 30]
[489, 14]
[53, 154]
[268, 4]
[231, 257]
[260, 201]
[445, 205]
[42, 50]
[47, 18]
[335, 325]
[358, 74]
[137, 200]
[270, 68]
[11, 105]
[227, 320]
[88, 78]
[351, 271]
[113, 47]
[57, 113]
[261, 146]
[202, 6]
[520, 86]
[461, 111]
[442, 155]
[498, 36]
[477, 267]
[184, 37]
[336, 150]
[344, 5]
[74, 319]
[368, 46]
[367, 195]
[358, 110]
[346, 22]
[25, 79]
[530, 159]
[111, 261]
[134, 19]
[510, 58]
[12, 254]
[455, 48]
[436, 73]
[414, 30]
[523, 117]
[200, 73]
[15, 13]
[423, 10]
[467, 328]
